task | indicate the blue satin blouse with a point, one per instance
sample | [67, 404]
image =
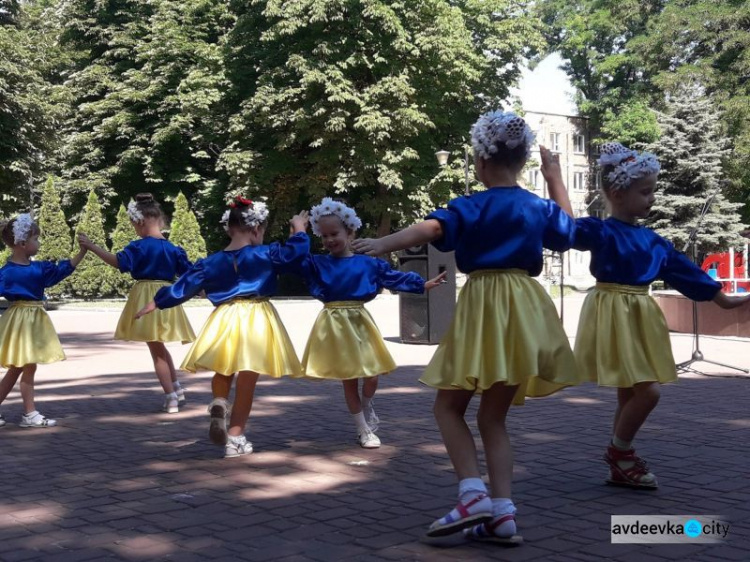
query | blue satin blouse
[355, 278]
[501, 228]
[629, 254]
[248, 272]
[27, 282]
[153, 258]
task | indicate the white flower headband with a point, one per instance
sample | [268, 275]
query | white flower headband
[22, 228]
[329, 207]
[134, 213]
[629, 165]
[254, 214]
[499, 126]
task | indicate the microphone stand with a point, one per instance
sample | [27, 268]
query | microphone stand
[697, 356]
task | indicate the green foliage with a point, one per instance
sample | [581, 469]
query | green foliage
[93, 278]
[352, 99]
[146, 97]
[4, 255]
[123, 234]
[56, 241]
[30, 112]
[691, 151]
[634, 124]
[185, 231]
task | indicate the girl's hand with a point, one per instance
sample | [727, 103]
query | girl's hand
[369, 246]
[727, 302]
[148, 309]
[435, 281]
[550, 165]
[299, 222]
[84, 242]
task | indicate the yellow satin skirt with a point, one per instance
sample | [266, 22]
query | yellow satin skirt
[505, 330]
[345, 344]
[244, 335]
[170, 324]
[623, 338]
[28, 336]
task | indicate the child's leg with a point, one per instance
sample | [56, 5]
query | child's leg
[162, 361]
[219, 408]
[9, 381]
[31, 417]
[27, 387]
[365, 434]
[474, 504]
[351, 395]
[244, 393]
[221, 385]
[243, 402]
[369, 386]
[633, 408]
[498, 451]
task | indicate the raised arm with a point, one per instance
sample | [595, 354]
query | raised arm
[416, 235]
[726, 301]
[553, 174]
[104, 255]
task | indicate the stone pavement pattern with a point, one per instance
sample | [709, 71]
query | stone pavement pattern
[117, 480]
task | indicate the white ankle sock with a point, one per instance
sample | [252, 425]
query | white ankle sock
[360, 422]
[469, 490]
[366, 401]
[501, 507]
[621, 443]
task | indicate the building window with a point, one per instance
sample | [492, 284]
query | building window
[579, 181]
[554, 142]
[534, 176]
[579, 144]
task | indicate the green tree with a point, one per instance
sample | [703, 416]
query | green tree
[185, 230]
[352, 99]
[56, 240]
[93, 278]
[147, 96]
[691, 151]
[123, 234]
[31, 71]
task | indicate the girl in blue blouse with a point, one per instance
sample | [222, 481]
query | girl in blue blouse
[345, 344]
[506, 340]
[244, 334]
[154, 262]
[27, 337]
[623, 339]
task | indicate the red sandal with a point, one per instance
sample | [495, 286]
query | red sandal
[450, 524]
[486, 532]
[636, 476]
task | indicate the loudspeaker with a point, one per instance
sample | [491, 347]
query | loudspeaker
[425, 318]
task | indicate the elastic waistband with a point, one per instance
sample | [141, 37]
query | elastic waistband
[26, 304]
[248, 299]
[626, 289]
[489, 272]
[344, 304]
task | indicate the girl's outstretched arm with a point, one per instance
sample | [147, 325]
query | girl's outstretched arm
[106, 257]
[726, 301]
[553, 174]
[416, 235]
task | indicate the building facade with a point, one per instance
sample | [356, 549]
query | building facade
[567, 136]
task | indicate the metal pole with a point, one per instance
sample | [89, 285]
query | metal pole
[466, 169]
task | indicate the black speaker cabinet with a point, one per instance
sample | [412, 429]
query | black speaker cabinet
[425, 318]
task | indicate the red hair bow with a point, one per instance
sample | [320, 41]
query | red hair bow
[241, 199]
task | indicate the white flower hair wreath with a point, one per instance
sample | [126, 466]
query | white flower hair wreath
[499, 126]
[134, 213]
[329, 207]
[22, 228]
[254, 215]
[629, 165]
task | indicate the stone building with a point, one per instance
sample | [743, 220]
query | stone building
[568, 136]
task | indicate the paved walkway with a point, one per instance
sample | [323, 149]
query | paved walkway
[119, 481]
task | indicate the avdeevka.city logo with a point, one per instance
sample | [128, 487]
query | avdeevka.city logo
[682, 529]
